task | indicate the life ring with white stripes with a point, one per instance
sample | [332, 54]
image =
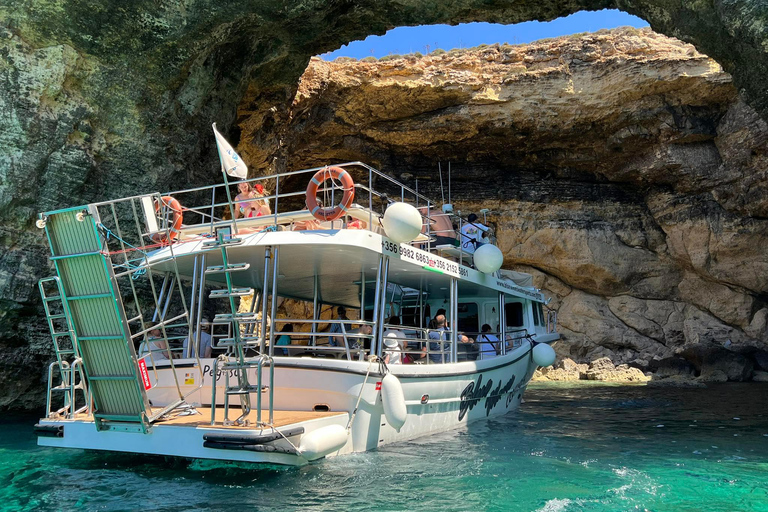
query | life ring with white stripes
[168, 202]
[347, 185]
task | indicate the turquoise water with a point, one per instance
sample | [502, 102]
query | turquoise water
[569, 448]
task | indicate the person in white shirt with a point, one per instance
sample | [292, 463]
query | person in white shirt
[489, 343]
[472, 234]
[392, 349]
[206, 342]
[156, 344]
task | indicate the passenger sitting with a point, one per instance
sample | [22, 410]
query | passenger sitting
[362, 342]
[261, 205]
[156, 344]
[245, 207]
[206, 342]
[312, 224]
[490, 345]
[401, 338]
[392, 352]
[440, 227]
[438, 349]
[467, 349]
[341, 314]
[248, 204]
[307, 225]
[285, 338]
[357, 224]
[473, 234]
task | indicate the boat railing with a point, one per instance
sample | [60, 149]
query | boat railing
[212, 207]
[351, 343]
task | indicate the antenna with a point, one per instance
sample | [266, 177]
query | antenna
[440, 170]
[449, 182]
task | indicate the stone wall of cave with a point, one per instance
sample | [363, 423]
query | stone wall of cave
[100, 101]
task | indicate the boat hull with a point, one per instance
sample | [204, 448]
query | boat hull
[437, 398]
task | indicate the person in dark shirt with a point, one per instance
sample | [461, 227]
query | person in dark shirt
[439, 350]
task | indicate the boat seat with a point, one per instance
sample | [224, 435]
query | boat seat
[453, 251]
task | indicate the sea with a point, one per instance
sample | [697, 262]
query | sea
[570, 447]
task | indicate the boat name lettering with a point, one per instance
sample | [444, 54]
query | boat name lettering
[496, 395]
[476, 391]
[208, 370]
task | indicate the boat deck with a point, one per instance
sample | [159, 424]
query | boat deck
[281, 418]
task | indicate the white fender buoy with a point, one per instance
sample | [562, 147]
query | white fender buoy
[394, 401]
[543, 355]
[402, 222]
[323, 441]
[488, 258]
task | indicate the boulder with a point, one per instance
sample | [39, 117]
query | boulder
[671, 366]
[603, 369]
[678, 381]
[722, 365]
[713, 376]
[566, 370]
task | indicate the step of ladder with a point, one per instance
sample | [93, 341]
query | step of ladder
[236, 292]
[225, 317]
[234, 267]
[245, 341]
[245, 390]
[226, 242]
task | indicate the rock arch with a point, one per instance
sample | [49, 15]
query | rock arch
[101, 99]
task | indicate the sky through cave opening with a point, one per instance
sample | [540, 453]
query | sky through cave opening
[428, 38]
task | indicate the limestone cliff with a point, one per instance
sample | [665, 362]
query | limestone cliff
[102, 99]
[621, 168]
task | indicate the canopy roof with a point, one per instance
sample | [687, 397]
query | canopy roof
[340, 260]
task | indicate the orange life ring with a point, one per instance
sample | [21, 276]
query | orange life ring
[347, 184]
[175, 206]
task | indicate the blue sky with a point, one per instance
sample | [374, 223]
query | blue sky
[427, 38]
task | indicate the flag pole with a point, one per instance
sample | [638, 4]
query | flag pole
[226, 186]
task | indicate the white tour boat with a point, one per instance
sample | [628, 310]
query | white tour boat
[142, 281]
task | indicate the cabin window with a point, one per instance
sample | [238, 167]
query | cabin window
[514, 313]
[469, 318]
[538, 314]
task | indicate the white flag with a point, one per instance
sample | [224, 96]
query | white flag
[230, 160]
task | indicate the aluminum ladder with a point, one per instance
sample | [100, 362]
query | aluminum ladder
[240, 340]
[68, 360]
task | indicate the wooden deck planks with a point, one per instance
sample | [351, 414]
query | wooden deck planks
[281, 418]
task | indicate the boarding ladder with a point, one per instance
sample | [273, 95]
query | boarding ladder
[68, 361]
[241, 340]
[98, 324]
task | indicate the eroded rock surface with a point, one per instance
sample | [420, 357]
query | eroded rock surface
[103, 100]
[608, 164]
